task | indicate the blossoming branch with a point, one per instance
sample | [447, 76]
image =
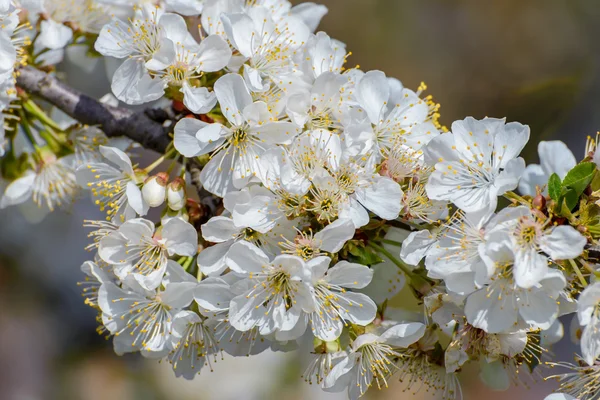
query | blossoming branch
[296, 198]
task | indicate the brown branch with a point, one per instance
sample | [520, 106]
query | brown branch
[114, 121]
[141, 126]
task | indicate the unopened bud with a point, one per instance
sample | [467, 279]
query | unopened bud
[194, 210]
[176, 196]
[539, 202]
[155, 189]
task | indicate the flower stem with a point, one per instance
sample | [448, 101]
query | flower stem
[187, 263]
[402, 266]
[578, 273]
[512, 196]
[38, 113]
[27, 129]
[160, 160]
[391, 242]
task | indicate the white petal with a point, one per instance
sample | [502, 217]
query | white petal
[387, 281]
[174, 27]
[135, 199]
[494, 375]
[212, 261]
[244, 257]
[113, 248]
[372, 93]
[19, 190]
[117, 157]
[555, 157]
[217, 175]
[188, 8]
[179, 294]
[349, 275]
[198, 99]
[403, 335]
[383, 198]
[213, 295]
[538, 308]
[214, 54]
[181, 237]
[220, 229]
[416, 246]
[8, 53]
[310, 13]
[240, 31]
[533, 176]
[489, 312]
[587, 302]
[54, 35]
[563, 243]
[360, 309]
[136, 230]
[439, 149]
[508, 179]
[590, 341]
[162, 58]
[335, 235]
[530, 267]
[133, 85]
[109, 41]
[254, 80]
[559, 396]
[233, 96]
[509, 142]
[353, 210]
[185, 137]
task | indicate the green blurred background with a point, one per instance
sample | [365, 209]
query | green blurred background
[532, 61]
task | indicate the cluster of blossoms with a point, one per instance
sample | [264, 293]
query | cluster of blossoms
[332, 189]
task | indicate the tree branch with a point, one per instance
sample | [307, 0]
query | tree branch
[114, 121]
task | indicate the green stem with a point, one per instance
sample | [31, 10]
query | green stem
[160, 160]
[513, 196]
[590, 269]
[172, 165]
[27, 129]
[391, 242]
[183, 165]
[578, 273]
[403, 267]
[39, 114]
[187, 263]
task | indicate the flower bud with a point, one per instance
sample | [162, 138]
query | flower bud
[176, 196]
[539, 202]
[155, 189]
[194, 210]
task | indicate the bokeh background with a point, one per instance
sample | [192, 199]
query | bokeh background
[533, 61]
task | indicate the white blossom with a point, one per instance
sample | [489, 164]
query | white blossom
[476, 163]
[555, 158]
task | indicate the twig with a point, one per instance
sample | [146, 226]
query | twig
[114, 121]
[143, 127]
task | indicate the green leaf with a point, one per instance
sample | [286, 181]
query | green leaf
[364, 255]
[570, 200]
[554, 187]
[580, 177]
[595, 185]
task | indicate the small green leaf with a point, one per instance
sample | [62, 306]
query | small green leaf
[570, 200]
[364, 255]
[595, 185]
[580, 177]
[554, 187]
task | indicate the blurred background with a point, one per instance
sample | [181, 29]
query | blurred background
[536, 62]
